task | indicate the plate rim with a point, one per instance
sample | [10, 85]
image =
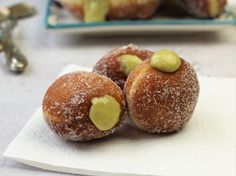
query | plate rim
[128, 23]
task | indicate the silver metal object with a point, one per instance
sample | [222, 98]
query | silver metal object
[15, 60]
[21, 10]
[4, 14]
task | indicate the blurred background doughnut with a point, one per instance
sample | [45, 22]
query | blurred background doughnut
[100, 10]
[204, 8]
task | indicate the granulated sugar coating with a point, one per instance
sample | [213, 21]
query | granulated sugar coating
[110, 65]
[161, 102]
[67, 103]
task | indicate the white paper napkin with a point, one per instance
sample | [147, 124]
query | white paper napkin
[206, 146]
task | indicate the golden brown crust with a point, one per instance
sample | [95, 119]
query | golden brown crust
[134, 10]
[75, 9]
[161, 102]
[67, 102]
[110, 66]
[202, 8]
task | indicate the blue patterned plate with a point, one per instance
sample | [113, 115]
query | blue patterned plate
[58, 19]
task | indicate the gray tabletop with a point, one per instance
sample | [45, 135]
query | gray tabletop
[212, 54]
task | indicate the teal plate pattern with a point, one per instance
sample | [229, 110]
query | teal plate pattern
[59, 19]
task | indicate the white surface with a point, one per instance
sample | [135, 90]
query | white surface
[73, 68]
[212, 54]
[205, 147]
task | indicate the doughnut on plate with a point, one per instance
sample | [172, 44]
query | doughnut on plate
[60, 20]
[206, 146]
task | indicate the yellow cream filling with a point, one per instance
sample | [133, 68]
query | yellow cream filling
[105, 112]
[95, 10]
[213, 7]
[129, 62]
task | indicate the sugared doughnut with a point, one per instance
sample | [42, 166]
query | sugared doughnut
[118, 63]
[162, 93]
[172, 9]
[82, 106]
[132, 9]
[75, 7]
[204, 8]
[100, 10]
